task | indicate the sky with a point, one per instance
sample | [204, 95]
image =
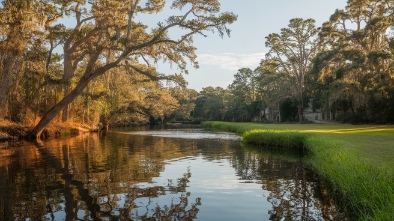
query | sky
[220, 59]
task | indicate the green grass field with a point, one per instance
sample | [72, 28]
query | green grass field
[358, 161]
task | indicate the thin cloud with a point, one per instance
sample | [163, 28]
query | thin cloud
[231, 61]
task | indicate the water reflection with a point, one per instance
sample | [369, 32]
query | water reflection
[135, 177]
[294, 191]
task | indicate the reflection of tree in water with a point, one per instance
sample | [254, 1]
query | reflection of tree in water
[85, 179]
[143, 203]
[294, 191]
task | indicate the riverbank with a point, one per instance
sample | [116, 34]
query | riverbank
[10, 131]
[13, 131]
[356, 160]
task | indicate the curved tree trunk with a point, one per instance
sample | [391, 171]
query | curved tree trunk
[54, 111]
[82, 84]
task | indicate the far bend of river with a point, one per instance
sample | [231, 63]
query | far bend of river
[156, 174]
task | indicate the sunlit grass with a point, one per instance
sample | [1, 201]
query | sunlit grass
[372, 143]
[358, 161]
[349, 131]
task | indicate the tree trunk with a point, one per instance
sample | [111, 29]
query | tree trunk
[8, 71]
[66, 110]
[68, 74]
[48, 117]
[82, 84]
[300, 113]
[300, 107]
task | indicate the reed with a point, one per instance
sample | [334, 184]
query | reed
[339, 154]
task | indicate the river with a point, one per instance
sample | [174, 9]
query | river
[147, 173]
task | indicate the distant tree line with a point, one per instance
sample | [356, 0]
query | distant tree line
[343, 69]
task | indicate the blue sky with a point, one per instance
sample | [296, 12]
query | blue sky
[220, 59]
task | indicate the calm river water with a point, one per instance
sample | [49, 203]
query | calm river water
[156, 174]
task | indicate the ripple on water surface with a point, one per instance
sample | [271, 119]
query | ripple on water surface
[187, 134]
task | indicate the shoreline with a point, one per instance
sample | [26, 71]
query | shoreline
[363, 188]
[10, 131]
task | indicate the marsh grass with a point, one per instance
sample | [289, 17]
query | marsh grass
[280, 139]
[355, 160]
[269, 151]
[364, 190]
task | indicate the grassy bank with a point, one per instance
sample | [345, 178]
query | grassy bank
[358, 161]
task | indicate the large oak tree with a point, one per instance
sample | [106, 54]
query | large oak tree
[109, 34]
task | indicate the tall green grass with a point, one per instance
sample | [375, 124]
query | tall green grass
[365, 190]
[293, 141]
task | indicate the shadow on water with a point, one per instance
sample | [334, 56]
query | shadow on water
[176, 174]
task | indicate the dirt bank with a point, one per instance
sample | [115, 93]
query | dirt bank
[14, 131]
